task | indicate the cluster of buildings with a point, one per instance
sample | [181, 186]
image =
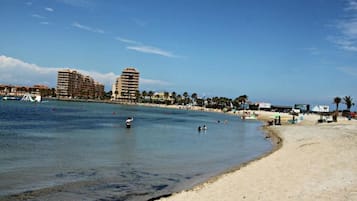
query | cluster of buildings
[73, 85]
[18, 91]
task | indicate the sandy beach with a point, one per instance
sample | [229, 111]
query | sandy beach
[315, 162]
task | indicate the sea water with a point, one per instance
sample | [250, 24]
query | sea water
[60, 150]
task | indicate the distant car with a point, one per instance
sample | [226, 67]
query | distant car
[346, 113]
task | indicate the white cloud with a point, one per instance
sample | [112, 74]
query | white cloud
[151, 50]
[352, 5]
[38, 16]
[29, 3]
[154, 82]
[124, 40]
[16, 71]
[49, 9]
[139, 47]
[346, 38]
[87, 28]
[348, 70]
[45, 23]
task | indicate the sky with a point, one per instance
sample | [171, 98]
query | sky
[284, 52]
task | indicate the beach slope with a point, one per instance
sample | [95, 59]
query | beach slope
[316, 162]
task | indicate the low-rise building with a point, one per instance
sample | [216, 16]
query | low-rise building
[12, 90]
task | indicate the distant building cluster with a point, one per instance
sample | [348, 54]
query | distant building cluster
[72, 84]
[12, 90]
[126, 86]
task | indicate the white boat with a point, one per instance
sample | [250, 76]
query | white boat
[5, 98]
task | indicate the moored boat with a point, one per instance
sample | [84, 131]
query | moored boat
[6, 98]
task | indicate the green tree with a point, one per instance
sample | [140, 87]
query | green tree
[166, 95]
[53, 92]
[237, 102]
[137, 95]
[194, 97]
[150, 94]
[116, 94]
[242, 99]
[179, 99]
[348, 101]
[174, 96]
[185, 95]
[144, 94]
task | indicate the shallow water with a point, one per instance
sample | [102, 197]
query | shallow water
[82, 151]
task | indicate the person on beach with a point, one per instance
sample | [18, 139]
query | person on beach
[128, 121]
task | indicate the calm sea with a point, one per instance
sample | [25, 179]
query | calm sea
[82, 151]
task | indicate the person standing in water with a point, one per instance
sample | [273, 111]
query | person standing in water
[128, 121]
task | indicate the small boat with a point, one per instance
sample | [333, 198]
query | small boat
[6, 98]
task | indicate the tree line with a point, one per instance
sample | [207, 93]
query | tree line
[185, 98]
[347, 100]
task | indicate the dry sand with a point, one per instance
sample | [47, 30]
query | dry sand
[316, 162]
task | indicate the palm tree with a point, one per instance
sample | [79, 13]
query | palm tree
[166, 95]
[137, 95]
[150, 94]
[53, 92]
[179, 99]
[173, 95]
[116, 94]
[185, 94]
[337, 101]
[194, 97]
[144, 93]
[348, 101]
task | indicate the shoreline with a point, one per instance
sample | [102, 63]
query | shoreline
[306, 165]
[276, 141]
[39, 192]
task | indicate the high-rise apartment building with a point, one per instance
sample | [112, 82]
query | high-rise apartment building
[126, 86]
[72, 84]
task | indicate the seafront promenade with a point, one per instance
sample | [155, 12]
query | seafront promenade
[315, 162]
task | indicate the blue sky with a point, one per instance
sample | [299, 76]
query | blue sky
[274, 51]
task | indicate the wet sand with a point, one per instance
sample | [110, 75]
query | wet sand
[315, 162]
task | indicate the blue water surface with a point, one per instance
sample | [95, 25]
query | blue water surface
[83, 151]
